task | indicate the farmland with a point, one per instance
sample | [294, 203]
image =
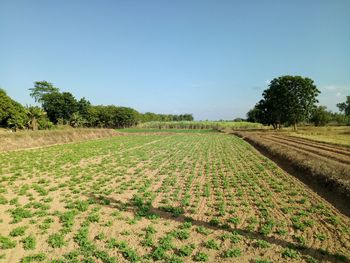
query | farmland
[318, 156]
[177, 197]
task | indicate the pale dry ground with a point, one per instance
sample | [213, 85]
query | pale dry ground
[330, 134]
[222, 184]
[10, 141]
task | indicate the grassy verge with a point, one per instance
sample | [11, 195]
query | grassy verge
[334, 135]
[32, 139]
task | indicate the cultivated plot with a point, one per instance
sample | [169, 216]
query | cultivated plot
[168, 198]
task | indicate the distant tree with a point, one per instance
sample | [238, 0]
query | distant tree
[34, 114]
[76, 120]
[345, 106]
[289, 99]
[320, 116]
[125, 117]
[12, 114]
[5, 104]
[59, 106]
[261, 113]
[17, 117]
[83, 107]
[42, 88]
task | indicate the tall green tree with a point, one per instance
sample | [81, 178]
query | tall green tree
[59, 106]
[289, 99]
[320, 116]
[34, 114]
[12, 114]
[345, 106]
[41, 88]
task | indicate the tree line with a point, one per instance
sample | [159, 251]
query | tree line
[62, 108]
[289, 100]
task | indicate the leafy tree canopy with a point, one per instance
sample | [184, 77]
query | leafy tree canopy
[345, 106]
[41, 88]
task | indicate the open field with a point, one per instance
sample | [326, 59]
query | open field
[325, 166]
[170, 198]
[329, 134]
[217, 125]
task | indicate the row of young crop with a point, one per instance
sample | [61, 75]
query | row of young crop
[170, 198]
[217, 125]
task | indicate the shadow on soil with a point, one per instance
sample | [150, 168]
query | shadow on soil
[130, 206]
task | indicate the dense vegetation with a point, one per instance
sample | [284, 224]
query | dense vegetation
[290, 100]
[63, 108]
[215, 125]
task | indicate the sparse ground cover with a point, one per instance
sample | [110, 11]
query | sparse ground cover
[329, 134]
[318, 162]
[169, 198]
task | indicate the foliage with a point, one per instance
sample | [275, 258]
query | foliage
[37, 118]
[6, 243]
[59, 106]
[76, 120]
[29, 242]
[320, 116]
[151, 117]
[199, 125]
[288, 99]
[345, 106]
[42, 88]
[12, 114]
[18, 231]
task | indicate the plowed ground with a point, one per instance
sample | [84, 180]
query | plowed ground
[163, 198]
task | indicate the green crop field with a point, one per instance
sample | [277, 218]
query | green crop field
[181, 197]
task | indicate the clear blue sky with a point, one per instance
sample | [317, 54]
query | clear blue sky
[209, 58]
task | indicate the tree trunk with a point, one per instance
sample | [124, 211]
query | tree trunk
[34, 124]
[295, 126]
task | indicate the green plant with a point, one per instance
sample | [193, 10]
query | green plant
[6, 243]
[186, 250]
[203, 230]
[34, 258]
[212, 244]
[29, 242]
[56, 240]
[290, 253]
[201, 257]
[234, 252]
[18, 231]
[262, 244]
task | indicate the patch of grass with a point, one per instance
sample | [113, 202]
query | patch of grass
[56, 240]
[34, 258]
[262, 244]
[29, 242]
[212, 244]
[203, 230]
[19, 213]
[201, 257]
[18, 231]
[6, 243]
[186, 250]
[290, 253]
[231, 253]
